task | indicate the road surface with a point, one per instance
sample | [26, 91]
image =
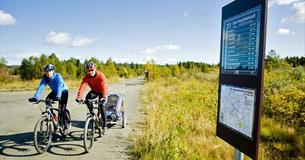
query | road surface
[18, 117]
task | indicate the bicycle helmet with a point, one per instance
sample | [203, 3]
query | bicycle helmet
[91, 66]
[48, 67]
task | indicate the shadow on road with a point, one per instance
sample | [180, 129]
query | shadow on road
[78, 124]
[69, 149]
[22, 145]
[17, 145]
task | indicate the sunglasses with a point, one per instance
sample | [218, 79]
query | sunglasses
[90, 70]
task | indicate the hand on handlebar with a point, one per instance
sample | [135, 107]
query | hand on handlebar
[33, 99]
[102, 100]
[78, 100]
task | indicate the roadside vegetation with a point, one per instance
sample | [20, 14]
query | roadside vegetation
[181, 115]
[180, 103]
[27, 76]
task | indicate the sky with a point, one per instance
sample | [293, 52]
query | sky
[167, 31]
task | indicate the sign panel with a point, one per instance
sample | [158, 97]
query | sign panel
[240, 43]
[242, 53]
[237, 108]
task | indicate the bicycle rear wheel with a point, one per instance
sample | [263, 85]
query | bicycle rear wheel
[42, 134]
[89, 133]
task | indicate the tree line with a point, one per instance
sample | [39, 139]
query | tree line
[32, 68]
[274, 60]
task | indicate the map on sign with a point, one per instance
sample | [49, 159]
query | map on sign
[237, 108]
[240, 43]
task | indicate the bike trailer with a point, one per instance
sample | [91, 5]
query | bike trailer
[114, 107]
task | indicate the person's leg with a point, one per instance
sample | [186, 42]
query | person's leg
[52, 96]
[89, 96]
[103, 114]
[63, 104]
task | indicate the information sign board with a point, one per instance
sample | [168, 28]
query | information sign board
[240, 43]
[237, 108]
[242, 52]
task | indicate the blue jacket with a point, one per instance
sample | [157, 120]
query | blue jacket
[56, 83]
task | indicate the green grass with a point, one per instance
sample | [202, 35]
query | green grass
[281, 141]
[19, 85]
[180, 123]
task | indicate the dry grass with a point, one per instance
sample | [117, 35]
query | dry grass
[180, 122]
[22, 85]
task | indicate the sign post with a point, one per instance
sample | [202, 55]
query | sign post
[243, 38]
[238, 155]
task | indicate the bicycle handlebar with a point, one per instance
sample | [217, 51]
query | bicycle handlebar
[51, 101]
[89, 101]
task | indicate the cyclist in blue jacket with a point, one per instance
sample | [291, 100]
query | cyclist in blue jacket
[56, 83]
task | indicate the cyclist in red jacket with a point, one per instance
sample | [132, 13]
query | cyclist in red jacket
[97, 82]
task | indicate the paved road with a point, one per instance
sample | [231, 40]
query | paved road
[18, 117]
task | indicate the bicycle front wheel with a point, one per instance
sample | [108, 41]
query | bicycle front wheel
[66, 123]
[89, 133]
[42, 134]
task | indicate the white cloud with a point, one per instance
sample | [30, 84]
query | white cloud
[168, 47]
[185, 14]
[121, 60]
[82, 41]
[21, 56]
[150, 50]
[299, 15]
[286, 19]
[300, 12]
[281, 2]
[150, 58]
[64, 39]
[59, 38]
[162, 47]
[6, 18]
[297, 5]
[284, 31]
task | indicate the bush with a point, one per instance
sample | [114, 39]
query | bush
[284, 95]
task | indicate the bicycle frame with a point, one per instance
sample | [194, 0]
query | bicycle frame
[48, 109]
[48, 112]
[94, 107]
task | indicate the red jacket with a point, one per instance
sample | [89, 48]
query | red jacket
[96, 83]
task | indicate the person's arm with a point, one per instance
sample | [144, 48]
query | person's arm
[60, 85]
[82, 88]
[41, 87]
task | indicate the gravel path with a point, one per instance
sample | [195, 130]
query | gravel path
[18, 117]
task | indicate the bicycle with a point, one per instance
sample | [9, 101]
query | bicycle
[48, 124]
[94, 121]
